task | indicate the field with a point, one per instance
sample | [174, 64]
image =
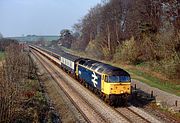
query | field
[36, 38]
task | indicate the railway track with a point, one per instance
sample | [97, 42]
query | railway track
[54, 74]
[93, 109]
[64, 106]
[132, 115]
[90, 111]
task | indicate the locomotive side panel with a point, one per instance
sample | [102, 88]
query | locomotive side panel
[90, 77]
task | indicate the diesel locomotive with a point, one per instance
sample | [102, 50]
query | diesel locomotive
[110, 83]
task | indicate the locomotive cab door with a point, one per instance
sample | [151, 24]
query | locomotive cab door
[103, 81]
[76, 69]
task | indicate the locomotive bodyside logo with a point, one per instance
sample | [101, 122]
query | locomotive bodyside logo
[94, 79]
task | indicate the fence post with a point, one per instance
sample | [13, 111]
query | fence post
[176, 103]
[151, 94]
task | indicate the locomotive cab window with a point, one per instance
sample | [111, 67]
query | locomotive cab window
[124, 79]
[94, 67]
[100, 70]
[119, 79]
[85, 64]
[82, 62]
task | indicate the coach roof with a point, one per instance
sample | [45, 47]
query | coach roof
[61, 53]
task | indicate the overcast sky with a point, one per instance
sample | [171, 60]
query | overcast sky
[41, 17]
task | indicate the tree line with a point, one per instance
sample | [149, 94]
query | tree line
[5, 42]
[132, 31]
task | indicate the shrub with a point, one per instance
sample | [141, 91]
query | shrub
[169, 54]
[127, 52]
[93, 50]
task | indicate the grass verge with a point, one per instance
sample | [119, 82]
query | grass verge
[164, 85]
[1, 56]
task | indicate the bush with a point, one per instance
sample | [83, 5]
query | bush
[169, 53]
[171, 68]
[40, 98]
[93, 50]
[127, 52]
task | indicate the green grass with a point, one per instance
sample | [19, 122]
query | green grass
[155, 82]
[1, 56]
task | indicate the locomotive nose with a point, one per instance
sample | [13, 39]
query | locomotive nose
[120, 88]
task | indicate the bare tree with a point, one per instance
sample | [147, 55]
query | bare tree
[12, 80]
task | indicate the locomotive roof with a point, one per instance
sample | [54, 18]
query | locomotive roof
[103, 68]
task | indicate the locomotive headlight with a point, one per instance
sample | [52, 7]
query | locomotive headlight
[122, 92]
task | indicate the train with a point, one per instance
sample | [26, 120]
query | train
[110, 83]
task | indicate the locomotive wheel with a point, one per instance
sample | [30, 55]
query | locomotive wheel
[103, 97]
[86, 85]
[83, 82]
[77, 77]
[108, 101]
[89, 87]
[80, 80]
[116, 103]
[95, 91]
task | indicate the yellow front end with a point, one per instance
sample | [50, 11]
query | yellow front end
[116, 88]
